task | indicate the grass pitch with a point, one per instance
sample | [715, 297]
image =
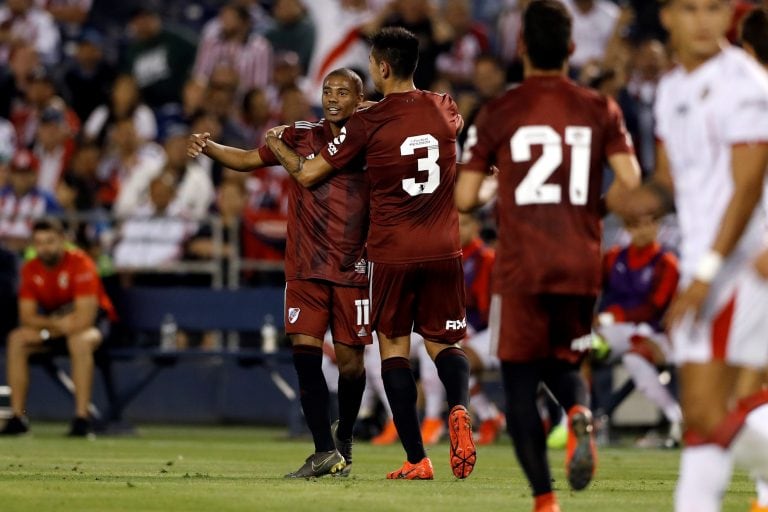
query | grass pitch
[239, 468]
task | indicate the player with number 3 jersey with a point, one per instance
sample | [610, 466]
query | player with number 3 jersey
[416, 276]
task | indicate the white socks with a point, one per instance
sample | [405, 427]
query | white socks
[762, 492]
[750, 446]
[705, 472]
[646, 379]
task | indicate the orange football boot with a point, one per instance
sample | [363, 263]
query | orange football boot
[546, 503]
[489, 429]
[463, 452]
[388, 435]
[432, 430]
[581, 453]
[422, 470]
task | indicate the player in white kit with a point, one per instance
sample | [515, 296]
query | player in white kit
[712, 125]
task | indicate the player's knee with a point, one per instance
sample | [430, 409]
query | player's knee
[83, 343]
[351, 368]
[19, 339]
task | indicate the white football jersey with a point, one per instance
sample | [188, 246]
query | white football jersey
[700, 116]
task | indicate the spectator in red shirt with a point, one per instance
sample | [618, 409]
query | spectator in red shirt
[61, 301]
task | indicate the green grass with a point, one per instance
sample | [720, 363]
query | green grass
[228, 468]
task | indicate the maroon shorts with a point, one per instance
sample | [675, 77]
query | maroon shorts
[311, 306]
[426, 297]
[528, 328]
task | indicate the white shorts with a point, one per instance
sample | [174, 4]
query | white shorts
[619, 337]
[733, 327]
[480, 343]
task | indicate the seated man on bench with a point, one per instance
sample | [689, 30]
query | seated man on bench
[62, 303]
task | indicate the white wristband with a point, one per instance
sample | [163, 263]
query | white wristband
[708, 267]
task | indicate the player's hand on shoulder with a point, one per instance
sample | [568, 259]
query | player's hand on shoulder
[276, 131]
[196, 144]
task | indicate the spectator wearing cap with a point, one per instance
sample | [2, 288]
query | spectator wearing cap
[235, 45]
[124, 103]
[53, 148]
[88, 78]
[40, 93]
[160, 59]
[294, 31]
[22, 22]
[194, 187]
[22, 202]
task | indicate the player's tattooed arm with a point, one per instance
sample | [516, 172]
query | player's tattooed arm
[293, 162]
[306, 172]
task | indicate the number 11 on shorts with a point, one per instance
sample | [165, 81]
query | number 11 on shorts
[363, 307]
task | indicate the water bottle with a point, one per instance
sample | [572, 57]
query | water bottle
[268, 335]
[168, 331]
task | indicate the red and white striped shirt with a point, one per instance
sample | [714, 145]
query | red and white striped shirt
[252, 59]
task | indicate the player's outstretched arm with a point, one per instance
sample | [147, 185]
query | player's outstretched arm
[655, 197]
[306, 172]
[475, 189]
[233, 158]
[626, 171]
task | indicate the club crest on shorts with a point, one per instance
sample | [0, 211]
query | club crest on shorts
[293, 315]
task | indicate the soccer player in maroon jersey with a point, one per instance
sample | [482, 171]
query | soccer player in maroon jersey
[61, 302]
[549, 139]
[325, 271]
[416, 276]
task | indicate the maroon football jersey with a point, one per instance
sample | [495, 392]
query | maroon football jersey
[550, 139]
[328, 223]
[409, 143]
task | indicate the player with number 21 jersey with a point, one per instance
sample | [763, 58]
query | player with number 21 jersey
[549, 153]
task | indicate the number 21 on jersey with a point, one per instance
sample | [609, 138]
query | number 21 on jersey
[534, 188]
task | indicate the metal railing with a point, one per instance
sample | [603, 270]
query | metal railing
[226, 271]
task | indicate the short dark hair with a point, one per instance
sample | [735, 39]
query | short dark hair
[48, 224]
[397, 47]
[754, 31]
[547, 33]
[351, 75]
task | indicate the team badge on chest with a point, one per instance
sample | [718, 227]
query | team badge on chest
[63, 280]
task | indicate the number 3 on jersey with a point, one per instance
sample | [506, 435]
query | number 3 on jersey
[534, 188]
[428, 163]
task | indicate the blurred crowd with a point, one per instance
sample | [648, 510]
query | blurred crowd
[97, 102]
